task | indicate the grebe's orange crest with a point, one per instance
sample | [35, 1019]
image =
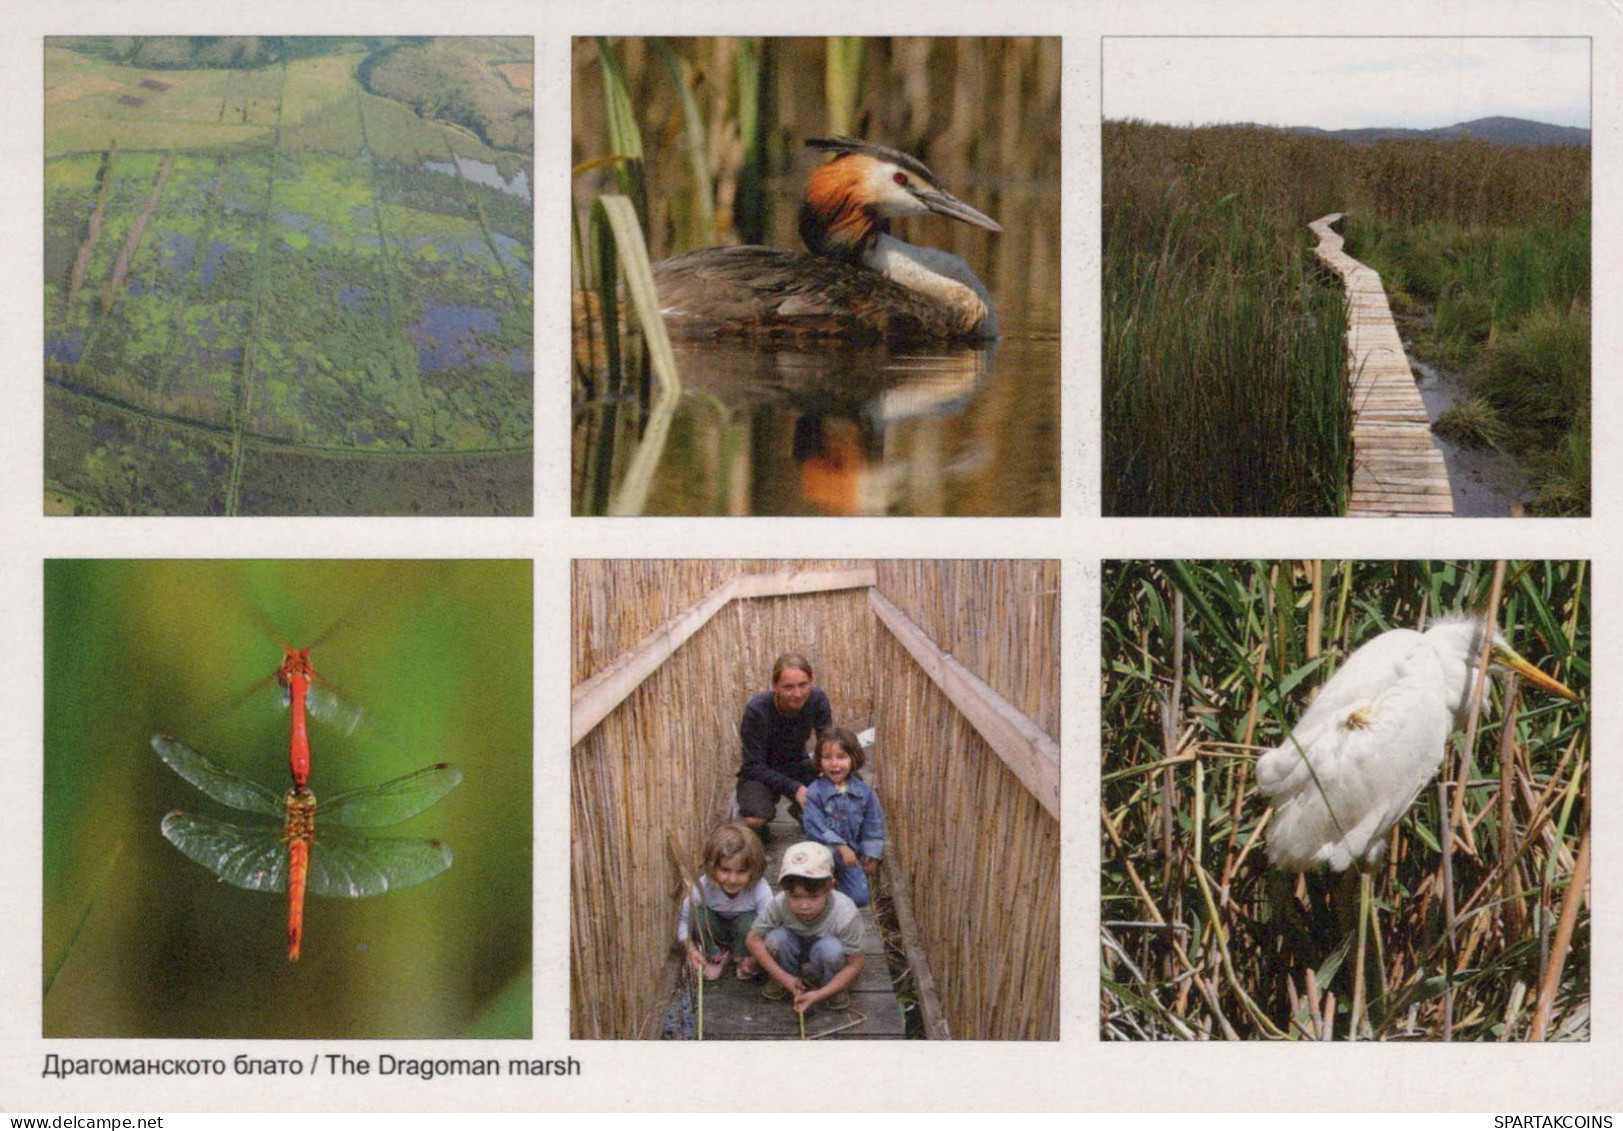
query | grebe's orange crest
[836, 193]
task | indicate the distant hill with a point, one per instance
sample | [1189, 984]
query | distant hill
[1503, 131]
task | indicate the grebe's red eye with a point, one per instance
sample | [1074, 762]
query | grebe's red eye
[901, 179]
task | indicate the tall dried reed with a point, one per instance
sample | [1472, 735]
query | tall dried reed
[980, 855]
[976, 109]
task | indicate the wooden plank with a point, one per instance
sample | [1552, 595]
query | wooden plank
[1405, 461]
[1403, 505]
[1406, 512]
[591, 701]
[1431, 504]
[1399, 508]
[788, 583]
[1389, 418]
[735, 1010]
[1409, 485]
[936, 1027]
[1386, 443]
[1393, 464]
[1024, 748]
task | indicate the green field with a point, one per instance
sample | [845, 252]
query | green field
[259, 273]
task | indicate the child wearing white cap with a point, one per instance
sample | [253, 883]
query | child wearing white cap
[809, 939]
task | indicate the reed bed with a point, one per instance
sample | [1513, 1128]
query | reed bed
[999, 618]
[1208, 663]
[1223, 358]
[724, 118]
[981, 855]
[981, 860]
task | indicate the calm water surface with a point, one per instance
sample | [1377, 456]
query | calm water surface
[833, 430]
[1485, 483]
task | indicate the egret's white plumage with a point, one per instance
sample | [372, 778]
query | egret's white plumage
[1372, 740]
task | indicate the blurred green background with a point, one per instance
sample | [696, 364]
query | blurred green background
[141, 942]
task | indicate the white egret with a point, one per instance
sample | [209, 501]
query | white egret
[1372, 740]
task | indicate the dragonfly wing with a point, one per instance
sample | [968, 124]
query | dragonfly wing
[393, 800]
[216, 781]
[352, 867]
[251, 858]
[334, 712]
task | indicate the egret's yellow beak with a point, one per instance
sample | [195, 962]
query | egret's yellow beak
[1506, 656]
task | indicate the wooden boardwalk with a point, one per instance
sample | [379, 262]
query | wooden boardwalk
[735, 1011]
[1397, 469]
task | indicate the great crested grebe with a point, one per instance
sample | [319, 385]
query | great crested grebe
[859, 280]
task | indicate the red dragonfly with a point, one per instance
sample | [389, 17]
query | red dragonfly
[302, 688]
[292, 857]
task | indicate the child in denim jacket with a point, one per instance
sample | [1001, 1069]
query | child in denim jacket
[842, 812]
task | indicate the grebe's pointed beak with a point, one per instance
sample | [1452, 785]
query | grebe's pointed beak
[1507, 656]
[948, 205]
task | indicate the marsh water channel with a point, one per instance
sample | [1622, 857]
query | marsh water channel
[1484, 482]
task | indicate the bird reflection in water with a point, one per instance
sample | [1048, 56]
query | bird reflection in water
[841, 430]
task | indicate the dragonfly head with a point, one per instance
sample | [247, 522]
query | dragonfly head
[295, 662]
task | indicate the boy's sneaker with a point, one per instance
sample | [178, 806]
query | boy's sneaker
[747, 969]
[714, 966]
[775, 990]
[841, 1000]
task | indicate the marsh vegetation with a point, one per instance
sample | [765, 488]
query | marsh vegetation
[1224, 386]
[1207, 664]
[251, 264]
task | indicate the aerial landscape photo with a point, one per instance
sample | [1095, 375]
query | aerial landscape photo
[288, 275]
[1346, 276]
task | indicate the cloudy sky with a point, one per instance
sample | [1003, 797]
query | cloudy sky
[1345, 83]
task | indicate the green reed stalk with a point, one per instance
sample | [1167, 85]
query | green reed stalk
[846, 60]
[1247, 617]
[704, 193]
